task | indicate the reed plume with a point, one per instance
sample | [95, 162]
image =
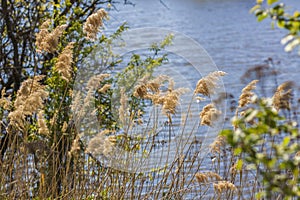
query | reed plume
[209, 114]
[41, 35]
[223, 186]
[218, 143]
[172, 97]
[5, 102]
[151, 90]
[102, 144]
[48, 41]
[207, 177]
[104, 88]
[214, 176]
[208, 84]
[95, 81]
[283, 94]
[65, 61]
[147, 88]
[29, 100]
[247, 94]
[170, 100]
[93, 23]
[42, 126]
[93, 84]
[201, 177]
[75, 145]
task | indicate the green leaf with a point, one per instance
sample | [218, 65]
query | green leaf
[286, 141]
[238, 151]
[271, 1]
[256, 7]
[262, 16]
[239, 164]
[280, 23]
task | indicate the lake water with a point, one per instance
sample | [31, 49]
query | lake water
[224, 28]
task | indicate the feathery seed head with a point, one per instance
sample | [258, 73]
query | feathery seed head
[48, 41]
[29, 100]
[218, 143]
[102, 144]
[43, 129]
[93, 23]
[201, 177]
[247, 94]
[209, 114]
[5, 103]
[223, 186]
[281, 98]
[64, 63]
[208, 84]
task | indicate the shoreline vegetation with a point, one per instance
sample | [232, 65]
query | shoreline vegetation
[50, 148]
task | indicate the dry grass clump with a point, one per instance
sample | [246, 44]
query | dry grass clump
[29, 100]
[208, 84]
[93, 23]
[64, 63]
[209, 114]
[48, 41]
[283, 94]
[247, 94]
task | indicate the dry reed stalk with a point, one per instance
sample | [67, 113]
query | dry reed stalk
[123, 115]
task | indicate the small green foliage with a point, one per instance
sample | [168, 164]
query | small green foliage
[269, 144]
[271, 1]
[279, 15]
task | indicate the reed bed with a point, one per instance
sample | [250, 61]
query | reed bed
[44, 155]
